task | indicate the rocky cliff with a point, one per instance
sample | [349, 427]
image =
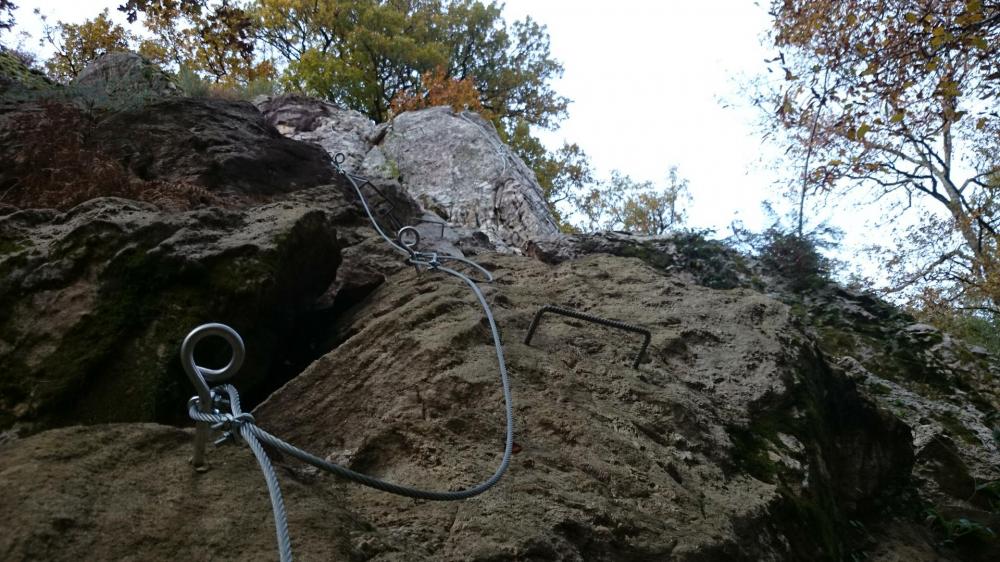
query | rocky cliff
[763, 423]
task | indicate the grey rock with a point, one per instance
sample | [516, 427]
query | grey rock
[123, 81]
[336, 130]
[455, 165]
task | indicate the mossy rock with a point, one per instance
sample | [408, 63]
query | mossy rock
[97, 301]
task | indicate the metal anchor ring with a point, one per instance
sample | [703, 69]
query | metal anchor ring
[200, 376]
[408, 231]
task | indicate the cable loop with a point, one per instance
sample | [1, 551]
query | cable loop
[205, 407]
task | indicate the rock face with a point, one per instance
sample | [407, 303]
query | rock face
[93, 301]
[175, 145]
[338, 131]
[145, 502]
[453, 164]
[733, 440]
[456, 165]
[946, 392]
[763, 423]
[221, 145]
[124, 80]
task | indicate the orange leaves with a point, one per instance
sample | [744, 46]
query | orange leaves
[437, 88]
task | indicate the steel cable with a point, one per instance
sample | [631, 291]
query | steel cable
[236, 422]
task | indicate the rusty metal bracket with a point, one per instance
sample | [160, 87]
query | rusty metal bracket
[590, 318]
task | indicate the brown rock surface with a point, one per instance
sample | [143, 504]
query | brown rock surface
[127, 492]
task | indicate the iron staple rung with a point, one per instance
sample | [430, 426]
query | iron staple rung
[647, 336]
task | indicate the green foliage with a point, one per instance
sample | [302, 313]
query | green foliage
[8, 7]
[560, 174]
[361, 54]
[897, 101]
[197, 86]
[975, 327]
[795, 259]
[76, 45]
[622, 203]
[215, 39]
[961, 531]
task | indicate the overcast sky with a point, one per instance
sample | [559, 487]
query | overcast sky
[653, 84]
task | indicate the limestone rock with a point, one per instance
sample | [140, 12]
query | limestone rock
[311, 120]
[665, 462]
[456, 166]
[123, 80]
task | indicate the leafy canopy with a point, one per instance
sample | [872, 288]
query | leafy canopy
[362, 54]
[900, 98]
[77, 44]
[622, 203]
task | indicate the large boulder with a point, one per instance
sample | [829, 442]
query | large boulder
[57, 153]
[733, 440]
[221, 145]
[455, 164]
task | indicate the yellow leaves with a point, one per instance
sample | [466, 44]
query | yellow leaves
[862, 130]
[949, 88]
[940, 37]
[910, 17]
[897, 117]
[981, 123]
[978, 42]
[436, 88]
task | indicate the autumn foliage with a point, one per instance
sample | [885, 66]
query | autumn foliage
[437, 88]
[895, 102]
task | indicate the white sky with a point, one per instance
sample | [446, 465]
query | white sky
[653, 84]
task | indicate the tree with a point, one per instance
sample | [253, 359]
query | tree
[8, 7]
[621, 203]
[212, 39]
[560, 174]
[436, 88]
[899, 98]
[362, 54]
[77, 44]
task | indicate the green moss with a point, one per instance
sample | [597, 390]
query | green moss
[957, 428]
[712, 263]
[879, 389]
[835, 341]
[10, 246]
[13, 69]
[810, 515]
